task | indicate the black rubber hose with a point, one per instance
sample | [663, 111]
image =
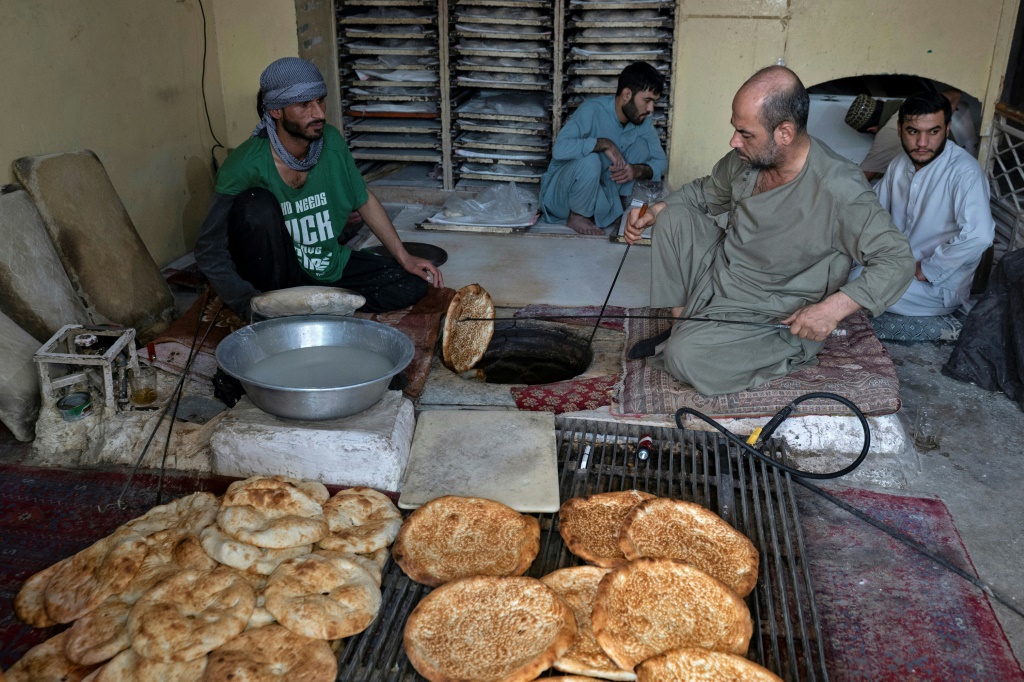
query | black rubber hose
[774, 423]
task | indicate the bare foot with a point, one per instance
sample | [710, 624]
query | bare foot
[583, 225]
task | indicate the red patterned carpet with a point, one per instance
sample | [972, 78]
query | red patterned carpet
[887, 613]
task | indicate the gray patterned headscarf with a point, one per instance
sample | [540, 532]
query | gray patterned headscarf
[290, 80]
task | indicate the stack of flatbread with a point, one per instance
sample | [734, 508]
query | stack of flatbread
[662, 598]
[263, 582]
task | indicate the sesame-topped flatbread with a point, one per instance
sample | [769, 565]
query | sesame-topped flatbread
[456, 537]
[650, 606]
[578, 587]
[590, 525]
[673, 529]
[464, 343]
[488, 629]
[695, 664]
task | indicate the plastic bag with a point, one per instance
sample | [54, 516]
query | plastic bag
[504, 205]
[990, 351]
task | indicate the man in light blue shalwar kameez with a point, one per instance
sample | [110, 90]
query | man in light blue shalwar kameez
[603, 148]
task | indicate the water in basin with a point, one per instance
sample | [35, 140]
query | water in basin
[320, 367]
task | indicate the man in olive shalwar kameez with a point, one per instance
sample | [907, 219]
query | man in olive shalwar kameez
[769, 237]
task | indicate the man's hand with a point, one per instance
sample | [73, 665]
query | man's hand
[623, 174]
[421, 267]
[619, 165]
[919, 273]
[636, 223]
[815, 322]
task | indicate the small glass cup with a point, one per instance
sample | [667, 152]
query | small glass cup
[927, 429]
[142, 383]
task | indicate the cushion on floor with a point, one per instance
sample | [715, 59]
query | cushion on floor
[35, 291]
[104, 257]
[855, 366]
[19, 399]
[890, 327]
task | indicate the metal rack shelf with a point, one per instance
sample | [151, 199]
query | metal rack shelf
[555, 50]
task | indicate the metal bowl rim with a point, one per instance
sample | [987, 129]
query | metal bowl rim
[409, 352]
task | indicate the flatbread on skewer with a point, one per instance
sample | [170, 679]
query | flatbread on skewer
[464, 343]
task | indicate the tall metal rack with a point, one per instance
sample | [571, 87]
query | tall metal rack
[394, 88]
[477, 90]
[603, 36]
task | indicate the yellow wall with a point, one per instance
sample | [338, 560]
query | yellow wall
[722, 42]
[122, 78]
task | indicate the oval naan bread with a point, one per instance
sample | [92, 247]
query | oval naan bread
[361, 520]
[673, 529]
[650, 606]
[456, 537]
[322, 597]
[191, 614]
[578, 587]
[488, 629]
[590, 525]
[694, 664]
[464, 343]
[270, 653]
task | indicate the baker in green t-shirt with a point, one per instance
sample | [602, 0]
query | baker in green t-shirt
[282, 199]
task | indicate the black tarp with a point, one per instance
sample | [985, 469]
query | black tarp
[990, 352]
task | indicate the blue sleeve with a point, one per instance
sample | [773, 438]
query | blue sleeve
[576, 138]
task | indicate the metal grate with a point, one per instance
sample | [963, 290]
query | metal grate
[1005, 170]
[701, 467]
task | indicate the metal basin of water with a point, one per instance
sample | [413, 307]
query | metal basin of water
[241, 350]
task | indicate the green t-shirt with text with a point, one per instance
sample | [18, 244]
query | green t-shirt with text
[314, 214]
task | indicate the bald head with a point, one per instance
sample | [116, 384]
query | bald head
[780, 96]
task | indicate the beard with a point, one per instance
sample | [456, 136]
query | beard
[935, 154]
[296, 130]
[632, 113]
[767, 159]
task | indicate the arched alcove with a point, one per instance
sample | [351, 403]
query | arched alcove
[831, 100]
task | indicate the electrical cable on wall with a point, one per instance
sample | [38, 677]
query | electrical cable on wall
[202, 87]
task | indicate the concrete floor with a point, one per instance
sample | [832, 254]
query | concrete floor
[975, 471]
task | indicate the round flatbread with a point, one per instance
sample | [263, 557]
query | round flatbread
[590, 525]
[128, 666]
[315, 489]
[578, 587]
[99, 635]
[488, 629]
[364, 562]
[191, 513]
[29, 604]
[464, 343]
[243, 556]
[456, 537]
[694, 664]
[170, 552]
[322, 597]
[638, 607]
[46, 662]
[272, 513]
[361, 520]
[85, 581]
[673, 529]
[272, 652]
[189, 615]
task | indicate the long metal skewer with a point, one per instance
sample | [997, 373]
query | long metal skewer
[837, 332]
[643, 210]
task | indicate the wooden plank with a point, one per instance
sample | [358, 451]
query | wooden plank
[481, 229]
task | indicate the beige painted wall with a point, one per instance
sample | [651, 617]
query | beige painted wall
[122, 78]
[722, 42]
